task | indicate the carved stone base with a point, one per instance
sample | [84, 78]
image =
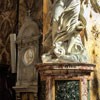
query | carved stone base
[26, 92]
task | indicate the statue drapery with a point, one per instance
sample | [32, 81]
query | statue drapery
[66, 26]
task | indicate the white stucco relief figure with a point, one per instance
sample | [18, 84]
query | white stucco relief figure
[66, 27]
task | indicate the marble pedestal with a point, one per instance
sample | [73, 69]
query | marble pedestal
[50, 72]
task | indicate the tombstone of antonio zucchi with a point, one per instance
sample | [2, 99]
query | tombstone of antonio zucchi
[28, 52]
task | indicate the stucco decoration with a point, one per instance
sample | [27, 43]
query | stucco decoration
[65, 30]
[8, 25]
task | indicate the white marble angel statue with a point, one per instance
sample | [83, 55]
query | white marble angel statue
[66, 44]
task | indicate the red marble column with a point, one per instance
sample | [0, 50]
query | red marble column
[49, 86]
[84, 92]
